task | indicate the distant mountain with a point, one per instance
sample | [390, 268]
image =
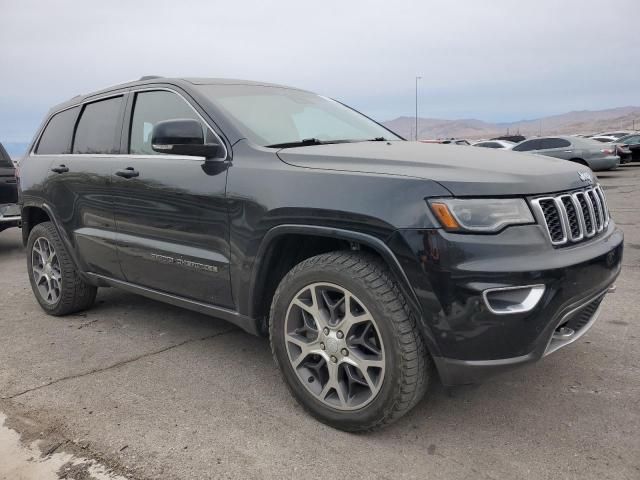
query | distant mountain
[15, 149]
[585, 121]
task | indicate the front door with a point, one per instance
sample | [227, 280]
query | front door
[170, 212]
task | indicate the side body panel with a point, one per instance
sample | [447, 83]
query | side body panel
[263, 193]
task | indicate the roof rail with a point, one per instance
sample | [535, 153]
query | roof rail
[149, 77]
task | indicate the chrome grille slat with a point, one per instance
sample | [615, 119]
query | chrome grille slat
[573, 217]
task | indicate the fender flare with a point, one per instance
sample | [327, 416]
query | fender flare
[378, 245]
[66, 241]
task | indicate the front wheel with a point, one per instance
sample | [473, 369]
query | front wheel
[346, 342]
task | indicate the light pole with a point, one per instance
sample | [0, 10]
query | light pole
[417, 78]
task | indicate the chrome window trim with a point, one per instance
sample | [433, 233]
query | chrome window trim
[32, 152]
[121, 94]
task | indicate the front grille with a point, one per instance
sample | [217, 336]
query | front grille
[573, 217]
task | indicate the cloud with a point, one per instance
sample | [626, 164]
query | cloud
[503, 61]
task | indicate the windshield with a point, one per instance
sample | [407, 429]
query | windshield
[272, 116]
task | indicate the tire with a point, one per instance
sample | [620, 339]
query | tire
[405, 366]
[72, 294]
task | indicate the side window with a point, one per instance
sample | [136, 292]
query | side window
[553, 143]
[527, 146]
[56, 138]
[97, 130]
[492, 145]
[153, 107]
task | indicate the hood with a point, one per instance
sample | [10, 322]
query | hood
[464, 171]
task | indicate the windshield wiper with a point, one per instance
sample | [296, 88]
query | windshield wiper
[308, 141]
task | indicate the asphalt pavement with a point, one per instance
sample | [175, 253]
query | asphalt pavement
[151, 391]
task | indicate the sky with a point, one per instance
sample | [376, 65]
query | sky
[497, 60]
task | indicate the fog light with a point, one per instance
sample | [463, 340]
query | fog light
[506, 300]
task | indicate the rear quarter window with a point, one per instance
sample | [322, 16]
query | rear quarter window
[56, 137]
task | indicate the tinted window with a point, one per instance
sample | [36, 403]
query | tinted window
[56, 138]
[527, 146]
[97, 130]
[630, 140]
[153, 107]
[490, 145]
[553, 143]
[5, 161]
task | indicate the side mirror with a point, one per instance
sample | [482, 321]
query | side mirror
[182, 137]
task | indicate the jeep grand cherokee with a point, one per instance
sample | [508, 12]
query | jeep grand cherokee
[372, 263]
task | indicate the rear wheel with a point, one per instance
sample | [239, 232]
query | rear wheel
[54, 279]
[580, 161]
[346, 342]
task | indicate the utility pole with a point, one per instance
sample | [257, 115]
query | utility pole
[417, 78]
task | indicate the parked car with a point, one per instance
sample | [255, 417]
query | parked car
[580, 150]
[455, 141]
[511, 138]
[9, 210]
[448, 141]
[615, 134]
[628, 148]
[497, 144]
[372, 263]
[604, 139]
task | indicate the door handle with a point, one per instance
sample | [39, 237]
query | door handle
[128, 172]
[60, 169]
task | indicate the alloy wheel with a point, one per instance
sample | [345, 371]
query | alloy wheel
[46, 271]
[334, 346]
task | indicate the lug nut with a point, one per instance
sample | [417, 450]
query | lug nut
[345, 352]
[340, 334]
[322, 345]
[326, 331]
[333, 359]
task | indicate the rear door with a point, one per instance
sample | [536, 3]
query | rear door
[556, 147]
[171, 212]
[79, 187]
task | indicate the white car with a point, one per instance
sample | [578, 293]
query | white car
[604, 138]
[497, 144]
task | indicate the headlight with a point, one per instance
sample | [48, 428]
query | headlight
[480, 214]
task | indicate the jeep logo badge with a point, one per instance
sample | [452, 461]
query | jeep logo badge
[585, 177]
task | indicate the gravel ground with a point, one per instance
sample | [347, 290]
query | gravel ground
[152, 391]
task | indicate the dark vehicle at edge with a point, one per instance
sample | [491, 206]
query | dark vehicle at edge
[373, 264]
[9, 209]
[628, 148]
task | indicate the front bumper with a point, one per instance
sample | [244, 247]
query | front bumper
[450, 272]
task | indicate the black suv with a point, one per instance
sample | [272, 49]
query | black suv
[9, 209]
[372, 263]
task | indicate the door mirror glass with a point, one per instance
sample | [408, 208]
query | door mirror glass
[182, 136]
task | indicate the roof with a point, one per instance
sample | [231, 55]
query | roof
[152, 79]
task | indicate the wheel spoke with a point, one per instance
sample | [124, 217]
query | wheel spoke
[334, 346]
